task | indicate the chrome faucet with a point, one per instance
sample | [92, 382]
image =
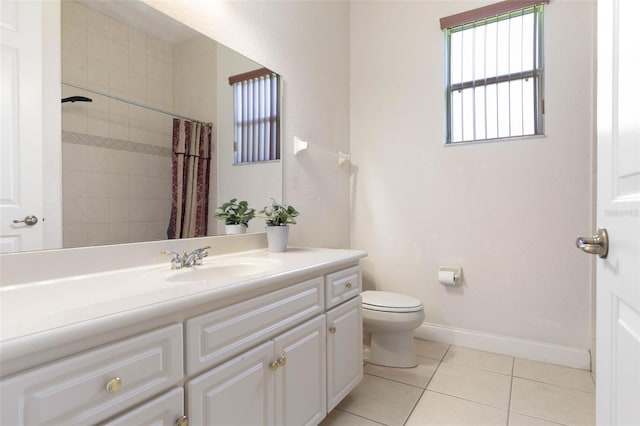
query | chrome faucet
[195, 257]
[187, 260]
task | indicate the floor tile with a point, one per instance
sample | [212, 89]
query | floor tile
[381, 400]
[473, 384]
[516, 419]
[502, 364]
[554, 374]
[342, 418]
[430, 349]
[440, 410]
[418, 376]
[553, 403]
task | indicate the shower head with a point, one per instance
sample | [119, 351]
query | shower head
[76, 99]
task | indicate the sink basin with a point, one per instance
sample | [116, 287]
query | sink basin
[224, 269]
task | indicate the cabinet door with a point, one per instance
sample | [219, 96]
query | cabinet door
[164, 410]
[344, 350]
[301, 390]
[238, 392]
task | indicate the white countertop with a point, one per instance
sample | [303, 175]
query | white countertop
[121, 296]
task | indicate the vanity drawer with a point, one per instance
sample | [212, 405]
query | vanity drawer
[85, 389]
[164, 410]
[221, 334]
[343, 285]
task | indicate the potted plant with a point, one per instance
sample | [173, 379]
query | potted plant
[236, 216]
[278, 217]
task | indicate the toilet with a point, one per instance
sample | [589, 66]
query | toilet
[390, 319]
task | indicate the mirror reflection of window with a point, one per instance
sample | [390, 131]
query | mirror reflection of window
[256, 116]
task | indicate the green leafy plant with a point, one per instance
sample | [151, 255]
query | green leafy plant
[279, 214]
[235, 213]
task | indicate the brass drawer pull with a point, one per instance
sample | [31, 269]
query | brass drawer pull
[114, 385]
[182, 421]
[349, 285]
[333, 329]
[274, 365]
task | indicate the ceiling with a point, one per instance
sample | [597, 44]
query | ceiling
[143, 17]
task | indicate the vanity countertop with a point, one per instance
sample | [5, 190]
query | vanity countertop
[36, 314]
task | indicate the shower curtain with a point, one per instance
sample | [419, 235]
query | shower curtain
[191, 169]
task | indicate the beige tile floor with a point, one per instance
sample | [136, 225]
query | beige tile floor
[459, 386]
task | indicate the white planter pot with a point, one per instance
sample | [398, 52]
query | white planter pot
[235, 229]
[278, 237]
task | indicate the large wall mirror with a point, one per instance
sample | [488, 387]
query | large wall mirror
[142, 69]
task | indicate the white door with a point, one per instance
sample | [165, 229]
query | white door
[618, 275]
[21, 134]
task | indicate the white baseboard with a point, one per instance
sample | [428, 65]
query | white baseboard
[522, 348]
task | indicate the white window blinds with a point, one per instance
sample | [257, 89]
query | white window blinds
[256, 116]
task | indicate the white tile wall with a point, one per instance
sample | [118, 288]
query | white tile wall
[114, 196]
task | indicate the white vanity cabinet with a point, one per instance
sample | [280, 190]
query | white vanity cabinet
[280, 382]
[280, 349]
[293, 379]
[220, 334]
[92, 386]
[344, 337]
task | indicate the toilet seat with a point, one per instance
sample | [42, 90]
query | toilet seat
[385, 301]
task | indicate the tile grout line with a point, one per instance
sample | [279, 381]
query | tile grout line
[513, 367]
[469, 400]
[395, 380]
[362, 417]
[553, 384]
[427, 385]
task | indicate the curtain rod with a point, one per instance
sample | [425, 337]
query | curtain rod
[132, 102]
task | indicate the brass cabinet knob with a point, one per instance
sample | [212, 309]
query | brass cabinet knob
[114, 385]
[333, 329]
[282, 361]
[349, 285]
[182, 421]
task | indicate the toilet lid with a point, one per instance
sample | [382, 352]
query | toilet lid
[390, 302]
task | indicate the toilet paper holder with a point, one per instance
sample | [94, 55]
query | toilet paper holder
[449, 275]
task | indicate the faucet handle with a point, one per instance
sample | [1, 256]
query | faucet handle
[200, 254]
[176, 261]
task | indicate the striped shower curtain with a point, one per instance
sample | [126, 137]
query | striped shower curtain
[191, 169]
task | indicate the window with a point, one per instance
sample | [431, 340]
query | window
[495, 71]
[256, 111]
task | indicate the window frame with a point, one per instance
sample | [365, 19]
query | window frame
[481, 17]
[253, 153]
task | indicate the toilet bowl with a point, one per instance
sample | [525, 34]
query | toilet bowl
[390, 318]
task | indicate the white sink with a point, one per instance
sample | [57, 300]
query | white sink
[224, 269]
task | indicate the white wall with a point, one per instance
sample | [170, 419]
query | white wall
[307, 44]
[507, 212]
[253, 182]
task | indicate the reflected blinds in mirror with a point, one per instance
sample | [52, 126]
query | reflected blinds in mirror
[256, 116]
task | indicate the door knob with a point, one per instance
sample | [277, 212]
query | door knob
[598, 244]
[29, 220]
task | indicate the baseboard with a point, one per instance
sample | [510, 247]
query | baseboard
[506, 345]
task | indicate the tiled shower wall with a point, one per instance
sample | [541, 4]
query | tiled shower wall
[116, 156]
